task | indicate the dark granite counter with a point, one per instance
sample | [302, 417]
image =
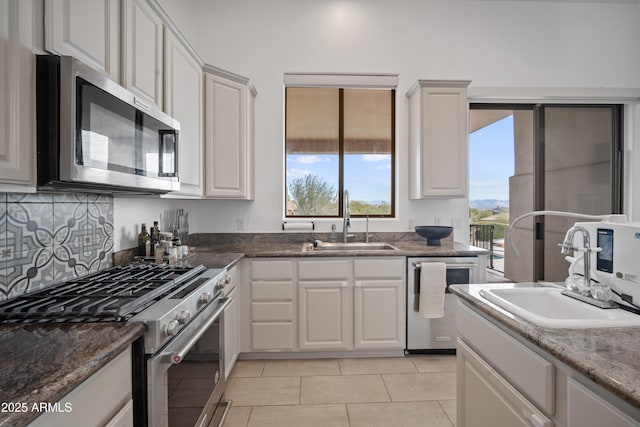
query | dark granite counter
[290, 245]
[607, 356]
[44, 362]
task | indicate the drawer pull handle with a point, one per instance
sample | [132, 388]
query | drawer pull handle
[536, 421]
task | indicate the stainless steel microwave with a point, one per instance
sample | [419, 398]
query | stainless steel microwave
[94, 135]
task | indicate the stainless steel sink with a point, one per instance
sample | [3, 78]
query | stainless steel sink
[548, 307]
[355, 246]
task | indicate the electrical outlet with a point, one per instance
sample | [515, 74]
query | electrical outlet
[437, 220]
[411, 223]
[240, 224]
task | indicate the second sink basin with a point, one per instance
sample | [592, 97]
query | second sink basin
[355, 246]
[549, 308]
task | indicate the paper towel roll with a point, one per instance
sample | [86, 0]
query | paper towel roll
[299, 226]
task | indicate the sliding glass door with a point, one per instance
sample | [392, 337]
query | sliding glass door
[565, 158]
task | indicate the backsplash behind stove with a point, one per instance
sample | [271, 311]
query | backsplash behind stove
[46, 238]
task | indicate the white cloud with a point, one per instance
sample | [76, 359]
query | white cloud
[375, 157]
[310, 160]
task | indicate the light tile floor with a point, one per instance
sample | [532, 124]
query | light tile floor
[374, 392]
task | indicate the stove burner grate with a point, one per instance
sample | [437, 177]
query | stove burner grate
[115, 294]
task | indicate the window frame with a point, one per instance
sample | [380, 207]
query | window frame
[368, 84]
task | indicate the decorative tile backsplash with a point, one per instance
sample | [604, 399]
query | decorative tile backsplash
[46, 238]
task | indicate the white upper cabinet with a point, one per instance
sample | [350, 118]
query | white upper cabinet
[17, 77]
[184, 101]
[438, 139]
[88, 30]
[143, 50]
[229, 135]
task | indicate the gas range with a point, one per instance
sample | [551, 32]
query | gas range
[183, 310]
[163, 296]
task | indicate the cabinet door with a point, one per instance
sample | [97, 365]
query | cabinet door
[379, 320]
[485, 399]
[142, 44]
[585, 408]
[17, 77]
[324, 311]
[231, 330]
[438, 134]
[112, 383]
[184, 101]
[228, 148]
[88, 30]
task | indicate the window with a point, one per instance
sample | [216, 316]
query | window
[339, 139]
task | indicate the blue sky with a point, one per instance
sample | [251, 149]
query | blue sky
[367, 177]
[491, 163]
[491, 160]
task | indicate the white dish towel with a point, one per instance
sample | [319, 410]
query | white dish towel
[433, 283]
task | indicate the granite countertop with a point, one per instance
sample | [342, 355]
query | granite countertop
[257, 249]
[607, 356]
[43, 362]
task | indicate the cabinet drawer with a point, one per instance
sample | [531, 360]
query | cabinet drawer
[271, 291]
[272, 270]
[272, 311]
[378, 268]
[533, 375]
[323, 269]
[272, 336]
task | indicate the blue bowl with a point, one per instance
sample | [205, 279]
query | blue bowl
[433, 233]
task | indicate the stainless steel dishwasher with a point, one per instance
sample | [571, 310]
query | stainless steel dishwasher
[436, 335]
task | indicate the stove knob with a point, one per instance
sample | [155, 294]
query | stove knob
[171, 328]
[227, 279]
[183, 317]
[205, 297]
[219, 285]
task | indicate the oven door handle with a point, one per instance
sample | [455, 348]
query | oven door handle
[451, 266]
[176, 356]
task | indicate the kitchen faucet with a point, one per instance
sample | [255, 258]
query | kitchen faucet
[567, 247]
[346, 222]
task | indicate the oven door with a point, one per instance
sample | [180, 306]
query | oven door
[185, 379]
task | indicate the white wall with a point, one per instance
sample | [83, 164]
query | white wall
[493, 43]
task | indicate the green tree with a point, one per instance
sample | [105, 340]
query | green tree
[313, 196]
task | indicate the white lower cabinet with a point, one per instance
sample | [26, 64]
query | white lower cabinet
[324, 311]
[272, 305]
[378, 314]
[328, 304]
[112, 384]
[505, 381]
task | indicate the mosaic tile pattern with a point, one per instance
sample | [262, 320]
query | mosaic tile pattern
[48, 238]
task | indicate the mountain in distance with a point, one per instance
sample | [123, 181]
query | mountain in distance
[488, 204]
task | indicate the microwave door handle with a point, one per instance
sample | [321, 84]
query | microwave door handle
[162, 149]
